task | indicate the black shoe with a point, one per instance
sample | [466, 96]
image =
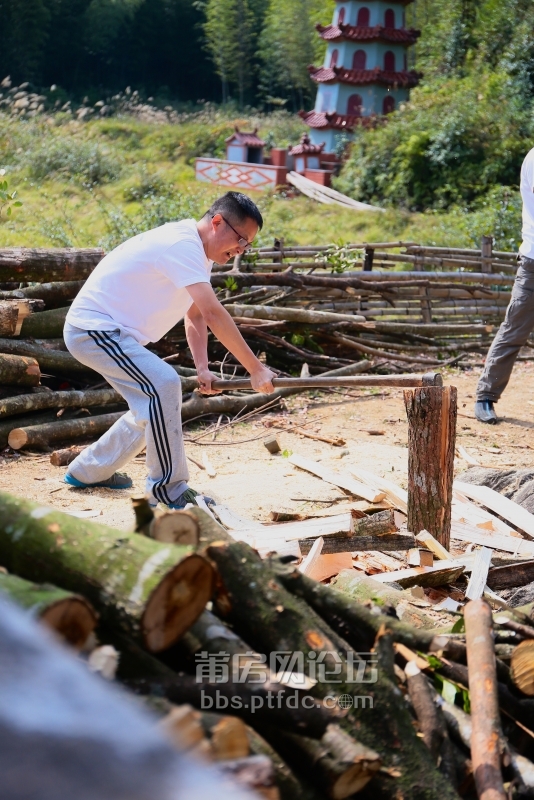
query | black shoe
[485, 412]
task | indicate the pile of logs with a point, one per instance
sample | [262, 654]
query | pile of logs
[295, 688]
[312, 309]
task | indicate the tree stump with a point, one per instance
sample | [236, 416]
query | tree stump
[431, 415]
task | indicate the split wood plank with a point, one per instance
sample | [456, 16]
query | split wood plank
[315, 553]
[397, 496]
[479, 574]
[328, 565]
[512, 512]
[463, 510]
[465, 532]
[425, 538]
[423, 576]
[355, 487]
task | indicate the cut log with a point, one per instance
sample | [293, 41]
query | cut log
[53, 361]
[41, 264]
[511, 575]
[510, 511]
[12, 315]
[486, 726]
[36, 402]
[354, 544]
[177, 527]
[329, 564]
[45, 324]
[431, 442]
[272, 619]
[70, 615]
[522, 667]
[151, 591]
[431, 721]
[422, 576]
[42, 436]
[19, 371]
[228, 736]
[291, 787]
[290, 314]
[339, 766]
[342, 481]
[62, 458]
[54, 295]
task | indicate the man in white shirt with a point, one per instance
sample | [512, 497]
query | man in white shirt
[519, 320]
[136, 294]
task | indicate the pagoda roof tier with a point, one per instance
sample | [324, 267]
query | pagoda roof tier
[339, 122]
[378, 33]
[360, 77]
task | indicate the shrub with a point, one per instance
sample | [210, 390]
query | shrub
[82, 161]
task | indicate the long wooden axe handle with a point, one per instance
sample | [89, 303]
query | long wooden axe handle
[408, 380]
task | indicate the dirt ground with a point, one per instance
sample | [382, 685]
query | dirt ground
[252, 482]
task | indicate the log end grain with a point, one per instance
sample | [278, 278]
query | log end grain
[176, 602]
[522, 666]
[72, 618]
[177, 527]
[17, 439]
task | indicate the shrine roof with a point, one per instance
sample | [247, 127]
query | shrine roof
[305, 147]
[341, 122]
[247, 139]
[360, 77]
[355, 33]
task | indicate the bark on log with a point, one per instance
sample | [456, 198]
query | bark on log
[272, 619]
[351, 619]
[51, 361]
[152, 592]
[54, 295]
[19, 371]
[40, 264]
[45, 324]
[37, 402]
[62, 458]
[337, 764]
[486, 724]
[431, 721]
[70, 615]
[289, 314]
[431, 441]
[41, 437]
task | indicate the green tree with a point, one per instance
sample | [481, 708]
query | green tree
[289, 44]
[230, 37]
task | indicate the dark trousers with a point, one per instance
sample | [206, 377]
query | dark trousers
[512, 335]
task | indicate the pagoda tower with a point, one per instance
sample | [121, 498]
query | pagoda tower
[365, 72]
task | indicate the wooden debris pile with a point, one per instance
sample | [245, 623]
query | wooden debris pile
[409, 675]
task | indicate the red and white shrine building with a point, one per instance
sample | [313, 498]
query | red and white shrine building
[365, 72]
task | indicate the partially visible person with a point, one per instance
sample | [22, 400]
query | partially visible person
[519, 320]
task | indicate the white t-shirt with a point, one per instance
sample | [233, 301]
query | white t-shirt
[140, 286]
[527, 195]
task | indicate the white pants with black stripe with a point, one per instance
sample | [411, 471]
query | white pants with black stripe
[153, 392]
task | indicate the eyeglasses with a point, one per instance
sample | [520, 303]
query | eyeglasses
[242, 242]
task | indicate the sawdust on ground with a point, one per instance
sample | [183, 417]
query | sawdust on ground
[254, 483]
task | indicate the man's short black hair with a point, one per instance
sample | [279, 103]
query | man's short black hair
[238, 207]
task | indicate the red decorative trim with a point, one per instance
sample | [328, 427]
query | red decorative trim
[339, 122]
[378, 33]
[361, 77]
